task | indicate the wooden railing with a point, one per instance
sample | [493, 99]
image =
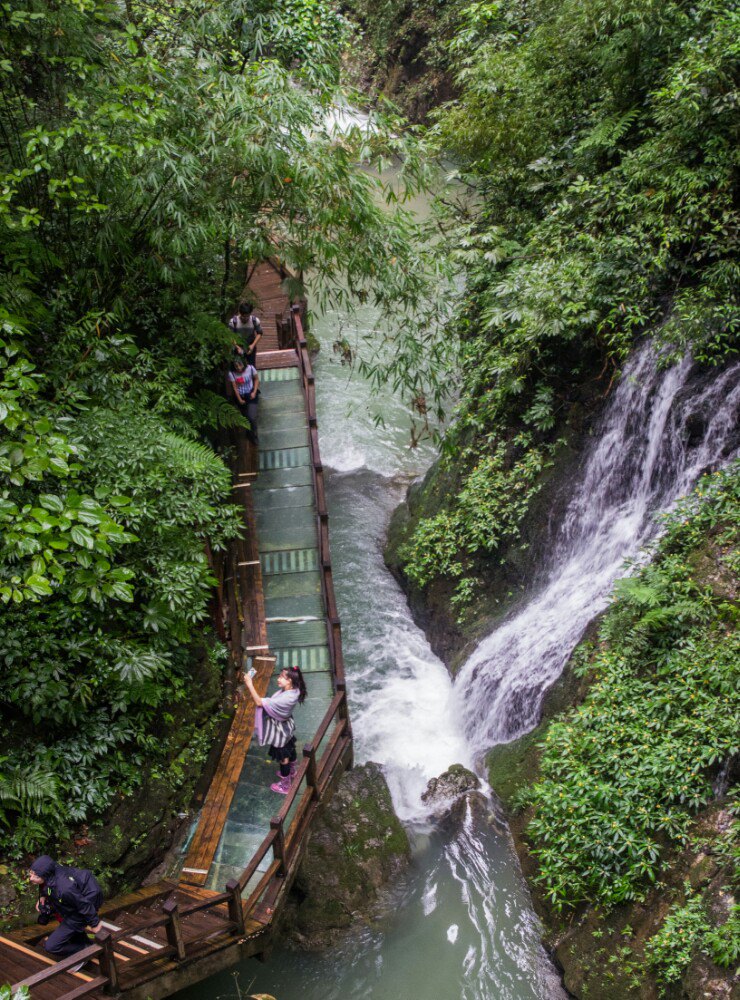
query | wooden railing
[94, 951]
[285, 839]
[322, 515]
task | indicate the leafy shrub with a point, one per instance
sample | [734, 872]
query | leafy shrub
[486, 512]
[686, 930]
[682, 932]
[723, 942]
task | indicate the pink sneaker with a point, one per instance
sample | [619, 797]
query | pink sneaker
[282, 787]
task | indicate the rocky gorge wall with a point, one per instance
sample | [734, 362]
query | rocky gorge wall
[356, 857]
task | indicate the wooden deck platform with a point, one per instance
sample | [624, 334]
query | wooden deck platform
[277, 593]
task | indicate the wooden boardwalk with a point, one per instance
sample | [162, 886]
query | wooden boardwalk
[276, 595]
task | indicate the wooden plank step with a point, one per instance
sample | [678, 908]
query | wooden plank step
[39, 958]
[277, 359]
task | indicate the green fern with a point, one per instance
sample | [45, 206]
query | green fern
[637, 591]
[607, 133]
[192, 457]
[213, 411]
[28, 789]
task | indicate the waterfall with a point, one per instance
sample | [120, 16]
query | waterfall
[660, 431]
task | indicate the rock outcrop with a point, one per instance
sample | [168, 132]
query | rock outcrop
[357, 853]
[443, 791]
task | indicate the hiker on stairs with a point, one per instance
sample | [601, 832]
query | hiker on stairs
[73, 897]
[246, 385]
[247, 331]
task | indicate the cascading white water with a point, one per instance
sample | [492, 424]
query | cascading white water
[661, 430]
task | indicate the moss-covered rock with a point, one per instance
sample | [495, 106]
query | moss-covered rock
[455, 782]
[503, 575]
[358, 849]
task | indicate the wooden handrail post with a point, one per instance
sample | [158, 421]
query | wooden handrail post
[343, 707]
[312, 774]
[173, 927]
[236, 910]
[107, 960]
[294, 324]
[278, 846]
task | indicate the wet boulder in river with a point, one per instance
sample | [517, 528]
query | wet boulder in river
[444, 790]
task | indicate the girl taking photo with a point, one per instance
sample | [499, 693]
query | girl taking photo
[274, 722]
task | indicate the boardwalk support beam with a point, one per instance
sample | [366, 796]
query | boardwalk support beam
[107, 960]
[173, 927]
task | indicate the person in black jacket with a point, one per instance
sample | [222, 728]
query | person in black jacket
[73, 896]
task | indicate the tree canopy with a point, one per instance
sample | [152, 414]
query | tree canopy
[149, 151]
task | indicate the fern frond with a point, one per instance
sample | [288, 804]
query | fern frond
[213, 411]
[30, 789]
[192, 457]
[608, 131]
[637, 590]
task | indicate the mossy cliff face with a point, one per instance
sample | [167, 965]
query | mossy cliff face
[402, 53]
[357, 852]
[503, 574]
[603, 955]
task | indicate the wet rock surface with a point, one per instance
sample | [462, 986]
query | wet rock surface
[454, 798]
[449, 786]
[355, 858]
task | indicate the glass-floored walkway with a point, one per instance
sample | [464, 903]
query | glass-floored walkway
[284, 503]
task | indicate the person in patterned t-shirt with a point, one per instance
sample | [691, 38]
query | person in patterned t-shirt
[246, 385]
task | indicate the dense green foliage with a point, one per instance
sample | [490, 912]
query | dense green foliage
[148, 152]
[602, 139]
[688, 929]
[487, 511]
[623, 774]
